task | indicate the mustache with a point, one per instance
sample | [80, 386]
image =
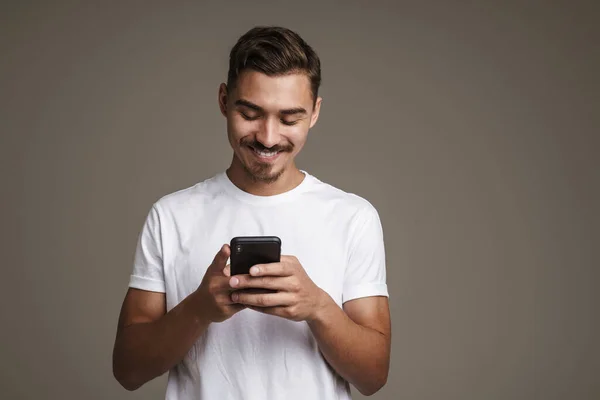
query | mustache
[258, 146]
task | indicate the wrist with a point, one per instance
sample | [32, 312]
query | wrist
[197, 304]
[323, 307]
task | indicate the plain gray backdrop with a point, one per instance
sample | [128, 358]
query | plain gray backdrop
[471, 126]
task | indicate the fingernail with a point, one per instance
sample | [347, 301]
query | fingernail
[254, 270]
[234, 296]
[234, 281]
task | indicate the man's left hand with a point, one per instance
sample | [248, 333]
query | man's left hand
[296, 296]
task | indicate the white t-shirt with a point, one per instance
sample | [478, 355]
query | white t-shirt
[336, 236]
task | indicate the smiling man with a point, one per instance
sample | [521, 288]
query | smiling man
[324, 323]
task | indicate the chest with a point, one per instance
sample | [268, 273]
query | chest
[317, 239]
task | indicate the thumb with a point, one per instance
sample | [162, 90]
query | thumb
[220, 259]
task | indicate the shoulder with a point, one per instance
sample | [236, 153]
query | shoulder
[188, 198]
[343, 200]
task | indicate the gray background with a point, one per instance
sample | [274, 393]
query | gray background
[472, 127]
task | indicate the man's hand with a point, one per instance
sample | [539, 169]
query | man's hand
[297, 298]
[214, 292]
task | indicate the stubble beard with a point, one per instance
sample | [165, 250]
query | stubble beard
[261, 172]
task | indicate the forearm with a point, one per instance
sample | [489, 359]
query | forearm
[359, 354]
[144, 351]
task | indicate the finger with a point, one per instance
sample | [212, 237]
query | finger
[221, 284]
[282, 283]
[234, 308]
[225, 299]
[279, 311]
[221, 257]
[272, 269]
[262, 299]
[227, 270]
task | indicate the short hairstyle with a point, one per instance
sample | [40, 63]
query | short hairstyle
[274, 51]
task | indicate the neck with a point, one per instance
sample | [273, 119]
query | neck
[289, 179]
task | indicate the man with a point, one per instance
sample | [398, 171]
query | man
[326, 324]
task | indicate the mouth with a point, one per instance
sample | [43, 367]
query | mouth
[264, 155]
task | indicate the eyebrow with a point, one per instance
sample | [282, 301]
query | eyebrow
[287, 111]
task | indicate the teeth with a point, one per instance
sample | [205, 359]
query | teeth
[264, 153]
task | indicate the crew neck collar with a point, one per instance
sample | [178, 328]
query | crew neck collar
[265, 200]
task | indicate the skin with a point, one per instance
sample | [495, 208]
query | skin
[275, 113]
[268, 113]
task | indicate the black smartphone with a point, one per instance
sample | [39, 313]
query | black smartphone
[247, 251]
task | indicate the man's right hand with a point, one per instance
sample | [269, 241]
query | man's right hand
[214, 292]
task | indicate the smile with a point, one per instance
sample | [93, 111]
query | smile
[265, 155]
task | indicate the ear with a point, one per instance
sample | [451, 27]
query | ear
[316, 111]
[223, 99]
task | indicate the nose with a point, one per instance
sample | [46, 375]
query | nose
[268, 135]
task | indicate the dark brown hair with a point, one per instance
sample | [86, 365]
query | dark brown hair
[274, 51]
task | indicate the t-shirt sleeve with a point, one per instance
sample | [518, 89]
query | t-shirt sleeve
[365, 272]
[148, 273]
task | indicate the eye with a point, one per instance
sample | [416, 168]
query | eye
[248, 117]
[288, 123]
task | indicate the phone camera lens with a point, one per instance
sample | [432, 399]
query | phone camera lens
[238, 248]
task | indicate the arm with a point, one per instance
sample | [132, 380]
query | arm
[363, 327]
[150, 341]
[355, 341]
